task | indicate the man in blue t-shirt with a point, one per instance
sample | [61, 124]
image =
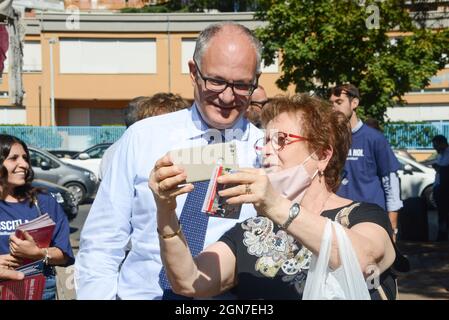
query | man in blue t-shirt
[370, 172]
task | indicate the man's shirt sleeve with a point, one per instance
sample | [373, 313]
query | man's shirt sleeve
[106, 231]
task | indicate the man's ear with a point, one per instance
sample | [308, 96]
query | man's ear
[192, 72]
[354, 103]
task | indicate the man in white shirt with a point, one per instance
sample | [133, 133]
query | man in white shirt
[140, 108]
[227, 57]
[130, 117]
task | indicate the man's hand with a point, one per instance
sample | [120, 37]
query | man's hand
[164, 180]
[393, 215]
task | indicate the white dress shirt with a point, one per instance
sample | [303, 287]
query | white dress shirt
[106, 160]
[124, 209]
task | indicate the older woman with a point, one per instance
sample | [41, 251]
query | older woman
[20, 203]
[267, 257]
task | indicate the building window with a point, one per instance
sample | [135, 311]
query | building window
[32, 57]
[12, 115]
[110, 56]
[187, 50]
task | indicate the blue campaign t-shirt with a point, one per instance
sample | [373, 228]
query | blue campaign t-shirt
[369, 159]
[13, 214]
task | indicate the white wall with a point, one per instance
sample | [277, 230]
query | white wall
[12, 116]
[108, 56]
[187, 49]
[419, 113]
[32, 57]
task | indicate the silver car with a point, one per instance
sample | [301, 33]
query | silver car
[81, 182]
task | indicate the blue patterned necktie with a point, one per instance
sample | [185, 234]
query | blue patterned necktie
[194, 226]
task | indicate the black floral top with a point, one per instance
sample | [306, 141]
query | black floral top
[271, 264]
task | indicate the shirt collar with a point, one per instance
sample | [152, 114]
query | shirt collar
[197, 128]
[357, 126]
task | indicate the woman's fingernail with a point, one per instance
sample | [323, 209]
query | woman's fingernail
[219, 179]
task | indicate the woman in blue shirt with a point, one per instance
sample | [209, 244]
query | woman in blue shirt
[20, 203]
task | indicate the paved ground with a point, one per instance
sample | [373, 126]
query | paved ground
[429, 275]
[428, 278]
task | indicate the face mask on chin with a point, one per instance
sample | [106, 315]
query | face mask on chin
[293, 182]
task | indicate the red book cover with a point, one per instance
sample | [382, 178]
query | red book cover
[42, 236]
[30, 288]
[41, 229]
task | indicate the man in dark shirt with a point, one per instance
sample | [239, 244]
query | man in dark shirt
[441, 185]
[370, 172]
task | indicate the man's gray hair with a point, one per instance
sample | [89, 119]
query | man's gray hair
[207, 34]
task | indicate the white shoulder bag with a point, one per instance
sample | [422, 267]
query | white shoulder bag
[346, 282]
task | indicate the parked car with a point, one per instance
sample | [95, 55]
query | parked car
[404, 153]
[63, 153]
[90, 158]
[416, 180]
[81, 182]
[62, 195]
[430, 161]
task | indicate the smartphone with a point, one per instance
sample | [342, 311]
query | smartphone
[200, 162]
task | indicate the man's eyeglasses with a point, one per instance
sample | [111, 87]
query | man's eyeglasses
[259, 104]
[219, 85]
[278, 141]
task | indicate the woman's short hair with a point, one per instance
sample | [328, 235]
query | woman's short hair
[160, 103]
[323, 127]
[26, 191]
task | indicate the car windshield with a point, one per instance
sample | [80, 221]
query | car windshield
[37, 157]
[405, 154]
[95, 152]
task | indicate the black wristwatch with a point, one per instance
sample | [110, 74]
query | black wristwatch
[292, 214]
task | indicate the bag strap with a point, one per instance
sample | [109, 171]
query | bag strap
[342, 216]
[36, 203]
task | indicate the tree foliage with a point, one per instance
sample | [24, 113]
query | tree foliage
[198, 6]
[375, 45]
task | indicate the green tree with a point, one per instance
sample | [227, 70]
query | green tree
[375, 45]
[197, 6]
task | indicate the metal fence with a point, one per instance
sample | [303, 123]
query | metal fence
[64, 138]
[414, 135]
[404, 135]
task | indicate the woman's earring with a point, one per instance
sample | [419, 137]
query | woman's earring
[320, 174]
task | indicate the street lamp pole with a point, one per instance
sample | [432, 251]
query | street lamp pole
[52, 41]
